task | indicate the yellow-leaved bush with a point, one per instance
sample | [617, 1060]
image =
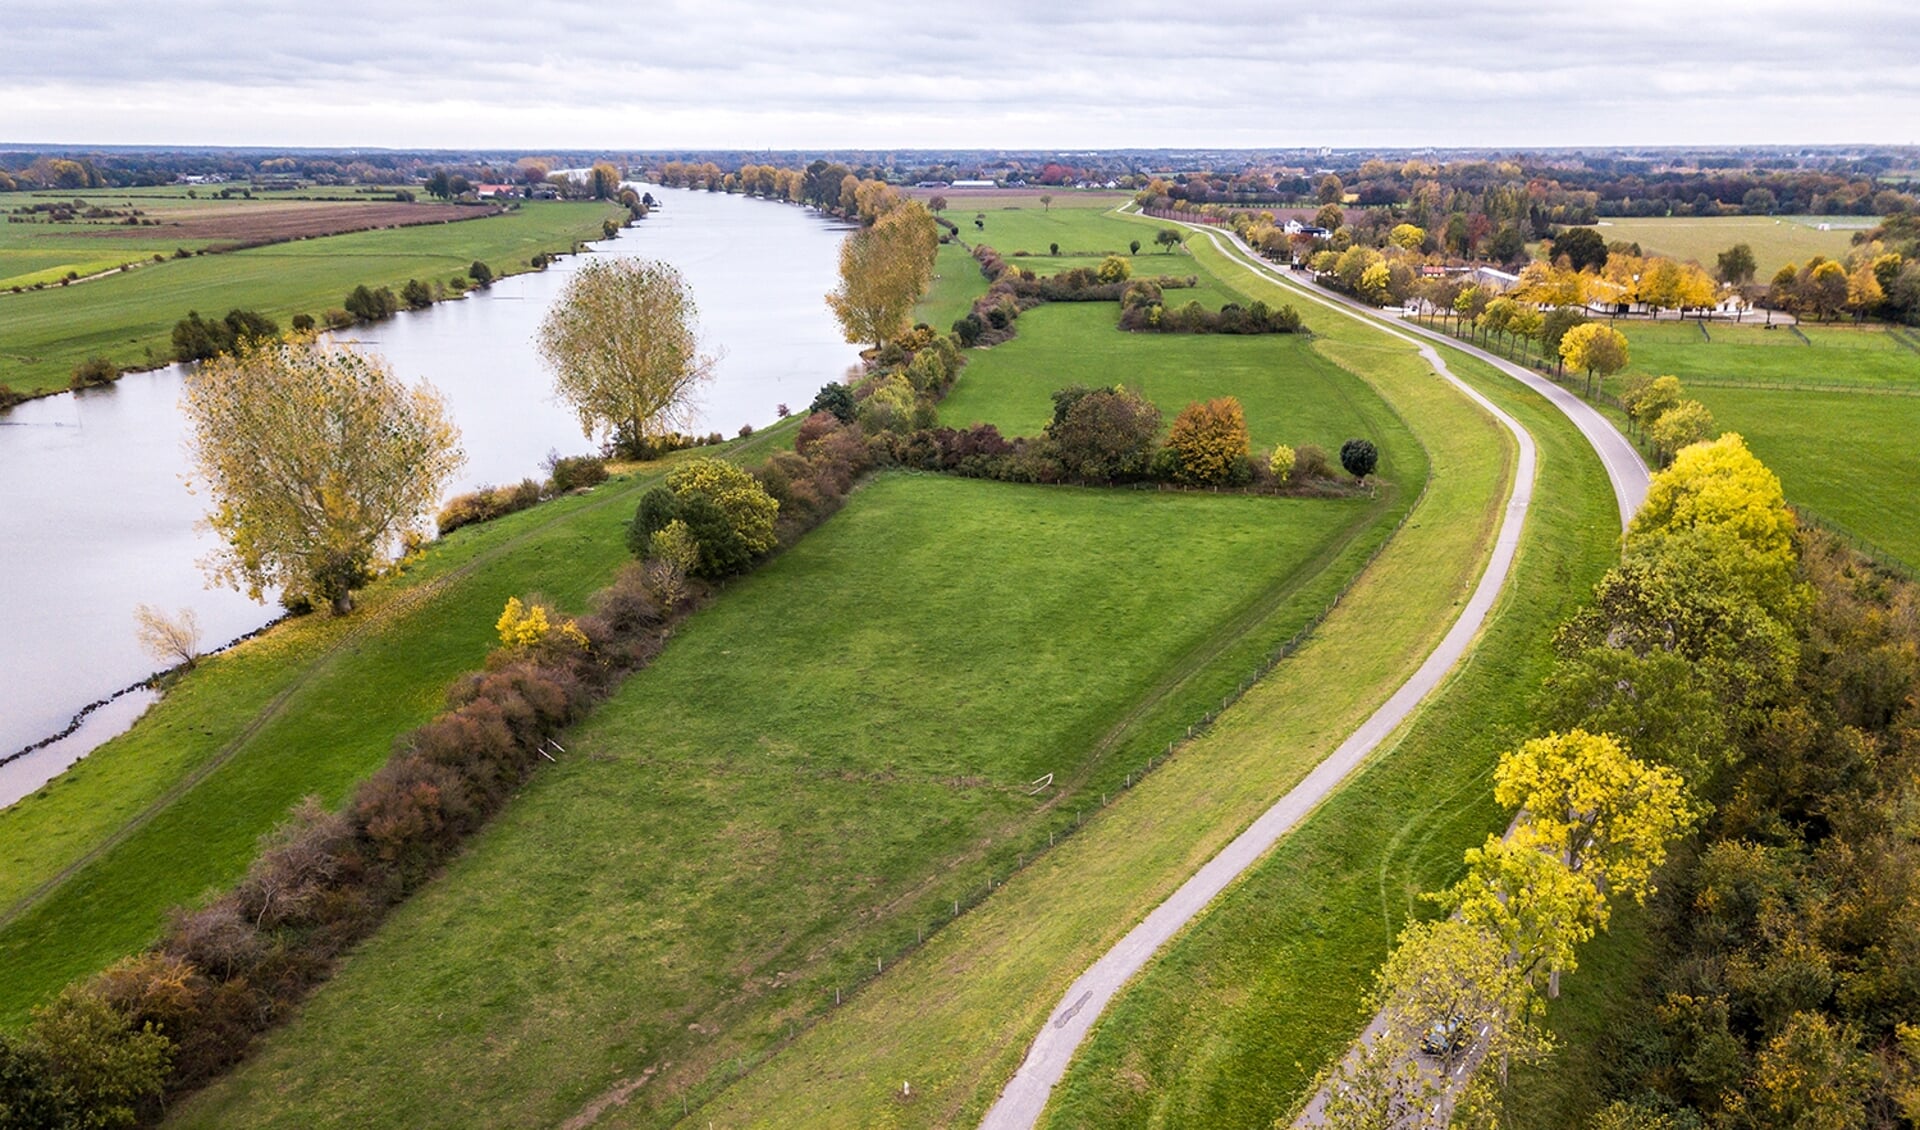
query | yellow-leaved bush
[524, 625]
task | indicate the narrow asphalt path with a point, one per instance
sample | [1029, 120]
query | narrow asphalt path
[1021, 1103]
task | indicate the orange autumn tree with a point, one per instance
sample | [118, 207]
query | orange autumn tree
[1208, 443]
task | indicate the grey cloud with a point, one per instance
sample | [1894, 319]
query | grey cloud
[1130, 72]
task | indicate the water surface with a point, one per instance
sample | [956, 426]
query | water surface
[95, 517]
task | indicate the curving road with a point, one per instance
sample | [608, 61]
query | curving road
[1021, 1103]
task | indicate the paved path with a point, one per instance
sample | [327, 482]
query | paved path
[1021, 1103]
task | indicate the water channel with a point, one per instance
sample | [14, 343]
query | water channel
[95, 516]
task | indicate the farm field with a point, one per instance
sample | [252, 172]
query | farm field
[1847, 456]
[129, 317]
[167, 222]
[709, 864]
[1776, 240]
[1867, 355]
[353, 685]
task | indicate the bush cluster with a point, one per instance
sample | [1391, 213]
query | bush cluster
[94, 372]
[565, 473]
[199, 339]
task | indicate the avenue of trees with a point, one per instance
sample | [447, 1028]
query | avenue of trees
[623, 344]
[315, 460]
[1692, 697]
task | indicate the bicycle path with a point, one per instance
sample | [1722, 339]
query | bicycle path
[1025, 1096]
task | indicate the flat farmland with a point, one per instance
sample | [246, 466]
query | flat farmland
[1846, 455]
[271, 221]
[129, 317]
[1776, 240]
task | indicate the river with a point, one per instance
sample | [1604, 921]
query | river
[97, 519]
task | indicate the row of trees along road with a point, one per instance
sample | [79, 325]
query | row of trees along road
[1687, 651]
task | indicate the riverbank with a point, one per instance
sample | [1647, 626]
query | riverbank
[94, 479]
[129, 317]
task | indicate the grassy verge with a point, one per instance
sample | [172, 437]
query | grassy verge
[823, 761]
[1232, 1024]
[955, 1018]
[129, 317]
[172, 808]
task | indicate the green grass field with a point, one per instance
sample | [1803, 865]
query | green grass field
[955, 1018]
[1848, 456]
[1776, 240]
[129, 317]
[1866, 355]
[1233, 1023]
[819, 764]
[1291, 394]
[354, 685]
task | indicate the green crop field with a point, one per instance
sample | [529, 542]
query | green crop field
[1776, 240]
[1871, 355]
[820, 762]
[129, 317]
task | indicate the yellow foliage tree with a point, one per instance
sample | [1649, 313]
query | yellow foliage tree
[1687, 422]
[1605, 814]
[1717, 512]
[1595, 347]
[623, 345]
[884, 270]
[316, 460]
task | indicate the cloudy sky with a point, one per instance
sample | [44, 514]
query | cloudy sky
[990, 73]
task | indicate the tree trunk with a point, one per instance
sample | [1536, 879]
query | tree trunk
[343, 602]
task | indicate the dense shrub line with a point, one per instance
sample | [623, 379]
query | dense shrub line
[1784, 979]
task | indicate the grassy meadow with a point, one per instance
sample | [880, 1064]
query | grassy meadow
[173, 807]
[955, 1017]
[1847, 456]
[1870, 355]
[1842, 389]
[820, 764]
[1233, 1023]
[129, 317]
[1776, 240]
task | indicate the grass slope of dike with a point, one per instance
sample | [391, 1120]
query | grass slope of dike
[823, 762]
[730, 1006]
[129, 318]
[91, 863]
[1231, 1025]
[954, 1019]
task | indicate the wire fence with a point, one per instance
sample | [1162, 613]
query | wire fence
[1880, 555]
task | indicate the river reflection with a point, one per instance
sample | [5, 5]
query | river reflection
[95, 518]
